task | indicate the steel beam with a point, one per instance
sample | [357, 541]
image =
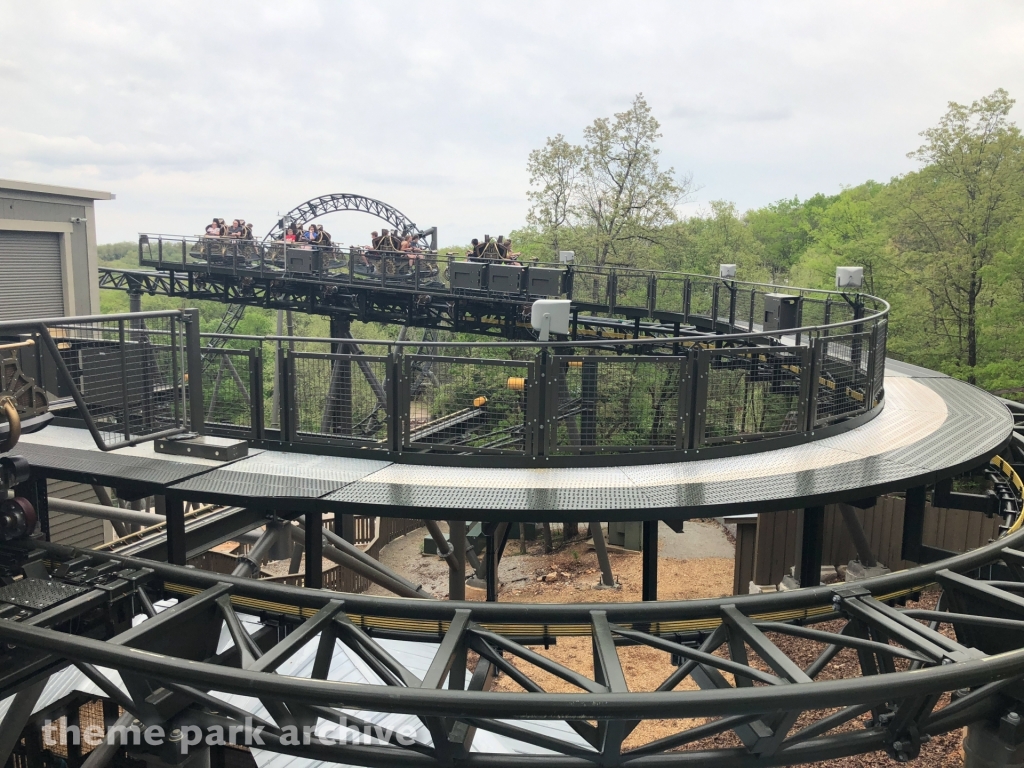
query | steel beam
[313, 544]
[649, 566]
[812, 531]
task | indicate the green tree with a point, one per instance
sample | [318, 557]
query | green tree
[611, 191]
[783, 233]
[554, 176]
[957, 214]
[852, 230]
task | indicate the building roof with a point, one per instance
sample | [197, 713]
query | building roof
[50, 189]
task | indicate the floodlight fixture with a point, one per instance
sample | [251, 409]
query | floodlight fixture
[550, 316]
[849, 277]
[727, 271]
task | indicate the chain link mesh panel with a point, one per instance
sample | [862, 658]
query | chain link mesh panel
[608, 403]
[227, 388]
[702, 293]
[340, 396]
[130, 373]
[747, 393]
[471, 404]
[881, 335]
[670, 294]
[631, 289]
[842, 384]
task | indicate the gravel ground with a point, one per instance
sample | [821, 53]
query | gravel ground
[701, 539]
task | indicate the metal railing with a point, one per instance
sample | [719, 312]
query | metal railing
[671, 393]
[552, 401]
[723, 306]
[125, 376]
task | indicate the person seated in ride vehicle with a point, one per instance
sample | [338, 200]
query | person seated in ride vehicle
[290, 235]
[489, 251]
[474, 252]
[236, 230]
[311, 236]
[213, 229]
[374, 241]
[325, 237]
[409, 248]
[511, 257]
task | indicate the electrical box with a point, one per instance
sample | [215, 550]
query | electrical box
[544, 282]
[467, 275]
[301, 261]
[781, 311]
[505, 279]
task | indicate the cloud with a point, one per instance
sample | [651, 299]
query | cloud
[187, 109]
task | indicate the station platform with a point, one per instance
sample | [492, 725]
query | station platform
[932, 427]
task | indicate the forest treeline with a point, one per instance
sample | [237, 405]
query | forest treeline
[943, 244]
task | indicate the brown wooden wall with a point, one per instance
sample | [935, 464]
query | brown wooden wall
[774, 549]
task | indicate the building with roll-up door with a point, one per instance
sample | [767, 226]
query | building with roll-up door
[48, 256]
[49, 268]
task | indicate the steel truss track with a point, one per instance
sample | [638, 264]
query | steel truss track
[777, 710]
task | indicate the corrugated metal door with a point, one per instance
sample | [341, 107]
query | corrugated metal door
[31, 284]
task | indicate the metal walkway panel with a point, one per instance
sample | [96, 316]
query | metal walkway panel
[275, 474]
[71, 454]
[505, 490]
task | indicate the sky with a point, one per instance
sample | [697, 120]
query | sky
[188, 110]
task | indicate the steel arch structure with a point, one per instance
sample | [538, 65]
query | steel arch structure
[345, 201]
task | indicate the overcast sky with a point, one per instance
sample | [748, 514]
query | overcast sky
[188, 110]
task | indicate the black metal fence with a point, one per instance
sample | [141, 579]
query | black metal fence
[126, 376]
[534, 400]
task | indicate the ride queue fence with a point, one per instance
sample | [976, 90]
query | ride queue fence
[544, 400]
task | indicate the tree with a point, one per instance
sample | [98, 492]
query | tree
[611, 192]
[717, 236]
[960, 211]
[851, 231]
[782, 231]
[554, 173]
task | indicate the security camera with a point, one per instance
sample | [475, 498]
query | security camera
[77, 220]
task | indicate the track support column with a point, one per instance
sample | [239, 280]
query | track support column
[913, 524]
[174, 509]
[314, 546]
[812, 529]
[650, 560]
[457, 575]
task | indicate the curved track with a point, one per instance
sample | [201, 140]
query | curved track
[781, 711]
[344, 201]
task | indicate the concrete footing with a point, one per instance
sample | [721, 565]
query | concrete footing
[856, 571]
[995, 745]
